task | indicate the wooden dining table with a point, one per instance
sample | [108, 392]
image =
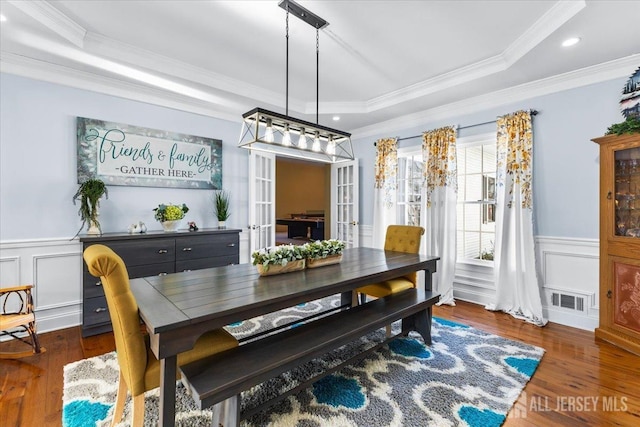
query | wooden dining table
[177, 308]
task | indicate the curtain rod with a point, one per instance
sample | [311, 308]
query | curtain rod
[532, 112]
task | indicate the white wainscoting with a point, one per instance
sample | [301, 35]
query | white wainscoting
[55, 268]
[570, 267]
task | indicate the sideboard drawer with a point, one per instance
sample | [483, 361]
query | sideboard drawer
[153, 251]
[95, 311]
[206, 246]
[151, 270]
[91, 286]
[199, 264]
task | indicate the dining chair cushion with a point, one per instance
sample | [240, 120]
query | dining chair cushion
[382, 289]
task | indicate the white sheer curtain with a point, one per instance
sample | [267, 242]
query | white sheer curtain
[441, 192]
[385, 189]
[517, 290]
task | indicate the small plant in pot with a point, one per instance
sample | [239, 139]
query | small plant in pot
[89, 194]
[221, 200]
[170, 215]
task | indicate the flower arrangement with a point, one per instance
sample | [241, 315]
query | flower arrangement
[324, 248]
[278, 255]
[170, 212]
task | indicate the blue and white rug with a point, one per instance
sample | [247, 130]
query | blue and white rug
[465, 378]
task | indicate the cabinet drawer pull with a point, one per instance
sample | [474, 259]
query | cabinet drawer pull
[186, 249]
[230, 245]
[100, 309]
[162, 274]
[186, 270]
[163, 251]
[98, 283]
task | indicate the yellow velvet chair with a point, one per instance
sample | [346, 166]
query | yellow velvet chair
[399, 238]
[17, 317]
[139, 368]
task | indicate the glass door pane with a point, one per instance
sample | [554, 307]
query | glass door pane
[627, 189]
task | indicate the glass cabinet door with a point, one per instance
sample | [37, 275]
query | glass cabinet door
[627, 188]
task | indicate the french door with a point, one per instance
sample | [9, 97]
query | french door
[262, 197]
[345, 202]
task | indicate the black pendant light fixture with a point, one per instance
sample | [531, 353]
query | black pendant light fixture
[265, 130]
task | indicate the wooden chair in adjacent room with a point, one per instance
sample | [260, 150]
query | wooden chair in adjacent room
[17, 318]
[399, 238]
[139, 368]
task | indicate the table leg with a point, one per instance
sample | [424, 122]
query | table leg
[346, 298]
[168, 370]
[428, 280]
[419, 322]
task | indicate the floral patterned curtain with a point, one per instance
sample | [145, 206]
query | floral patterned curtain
[517, 289]
[441, 188]
[385, 187]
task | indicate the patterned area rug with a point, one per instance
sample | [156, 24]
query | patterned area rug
[466, 378]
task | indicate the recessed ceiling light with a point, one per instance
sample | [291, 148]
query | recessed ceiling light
[570, 41]
[336, 118]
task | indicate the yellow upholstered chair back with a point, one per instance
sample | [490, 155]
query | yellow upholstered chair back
[123, 309]
[404, 238]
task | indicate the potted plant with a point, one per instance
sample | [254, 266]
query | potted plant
[170, 215]
[279, 259]
[221, 201]
[89, 194]
[324, 252]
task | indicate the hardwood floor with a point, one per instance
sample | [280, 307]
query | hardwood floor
[579, 382]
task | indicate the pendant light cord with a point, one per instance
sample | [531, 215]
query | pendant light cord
[317, 74]
[287, 62]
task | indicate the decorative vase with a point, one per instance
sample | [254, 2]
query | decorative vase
[271, 270]
[321, 262]
[171, 226]
[93, 228]
[222, 224]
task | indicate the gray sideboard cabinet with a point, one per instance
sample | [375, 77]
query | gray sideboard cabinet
[150, 254]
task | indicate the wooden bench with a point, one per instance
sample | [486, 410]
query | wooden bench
[218, 380]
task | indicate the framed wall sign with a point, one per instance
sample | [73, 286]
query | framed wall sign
[121, 154]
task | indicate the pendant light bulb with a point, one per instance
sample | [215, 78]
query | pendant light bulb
[286, 136]
[302, 142]
[316, 142]
[331, 146]
[268, 133]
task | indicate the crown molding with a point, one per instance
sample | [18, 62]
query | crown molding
[554, 18]
[610, 70]
[52, 18]
[548, 23]
[54, 73]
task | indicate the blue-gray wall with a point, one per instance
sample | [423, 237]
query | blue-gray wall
[38, 159]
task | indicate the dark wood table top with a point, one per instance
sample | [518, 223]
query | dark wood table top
[223, 295]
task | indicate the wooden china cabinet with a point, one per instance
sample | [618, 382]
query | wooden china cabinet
[620, 240]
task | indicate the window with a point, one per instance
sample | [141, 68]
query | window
[476, 228]
[409, 180]
[476, 194]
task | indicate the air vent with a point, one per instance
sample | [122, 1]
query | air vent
[571, 302]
